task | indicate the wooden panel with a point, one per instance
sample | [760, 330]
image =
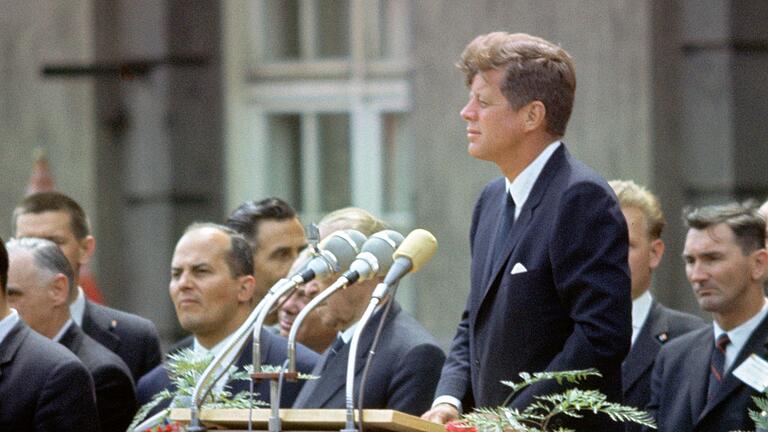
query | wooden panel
[310, 419]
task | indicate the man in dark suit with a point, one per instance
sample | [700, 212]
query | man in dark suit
[697, 382]
[43, 385]
[550, 286]
[406, 366]
[57, 217]
[653, 324]
[39, 282]
[212, 288]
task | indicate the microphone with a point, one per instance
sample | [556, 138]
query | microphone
[415, 251]
[376, 257]
[337, 251]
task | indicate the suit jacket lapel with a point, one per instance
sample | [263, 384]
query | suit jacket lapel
[699, 371]
[645, 348]
[91, 326]
[755, 344]
[493, 266]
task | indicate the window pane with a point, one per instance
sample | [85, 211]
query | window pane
[387, 22]
[335, 161]
[333, 28]
[396, 163]
[284, 176]
[281, 24]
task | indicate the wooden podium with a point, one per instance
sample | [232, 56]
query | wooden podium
[308, 420]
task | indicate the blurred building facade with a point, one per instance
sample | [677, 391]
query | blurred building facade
[157, 113]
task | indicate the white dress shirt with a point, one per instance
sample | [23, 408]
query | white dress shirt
[77, 308]
[641, 308]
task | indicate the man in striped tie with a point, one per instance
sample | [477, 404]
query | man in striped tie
[705, 380]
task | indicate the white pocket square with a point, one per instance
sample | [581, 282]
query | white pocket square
[518, 268]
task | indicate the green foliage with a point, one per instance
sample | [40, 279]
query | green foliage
[760, 417]
[184, 369]
[573, 402]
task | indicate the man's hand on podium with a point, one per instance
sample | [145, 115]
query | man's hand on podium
[441, 413]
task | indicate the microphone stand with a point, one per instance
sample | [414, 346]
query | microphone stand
[378, 293]
[275, 378]
[342, 282]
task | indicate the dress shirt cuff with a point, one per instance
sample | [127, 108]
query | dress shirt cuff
[450, 400]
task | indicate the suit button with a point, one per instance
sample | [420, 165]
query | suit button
[477, 363]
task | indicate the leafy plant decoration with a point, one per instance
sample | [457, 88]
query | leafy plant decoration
[573, 402]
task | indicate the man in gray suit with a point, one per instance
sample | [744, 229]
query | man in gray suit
[653, 324]
[406, 367]
[44, 387]
[39, 282]
[697, 382]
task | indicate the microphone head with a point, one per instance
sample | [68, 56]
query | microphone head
[344, 245]
[382, 246]
[418, 247]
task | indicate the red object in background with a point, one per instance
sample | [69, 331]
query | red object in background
[41, 180]
[88, 284]
[459, 426]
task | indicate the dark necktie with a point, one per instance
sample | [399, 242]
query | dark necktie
[717, 365]
[337, 345]
[505, 227]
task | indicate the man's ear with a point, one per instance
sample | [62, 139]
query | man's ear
[656, 252]
[247, 288]
[760, 264]
[87, 248]
[59, 290]
[535, 116]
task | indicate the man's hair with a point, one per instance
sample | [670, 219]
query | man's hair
[632, 195]
[352, 218]
[48, 258]
[747, 224]
[3, 267]
[55, 201]
[534, 70]
[246, 218]
[239, 256]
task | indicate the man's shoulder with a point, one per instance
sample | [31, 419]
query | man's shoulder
[681, 346]
[679, 322]
[108, 318]
[45, 352]
[406, 333]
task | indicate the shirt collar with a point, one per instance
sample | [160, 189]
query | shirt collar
[7, 324]
[522, 185]
[740, 334]
[62, 330]
[641, 308]
[347, 334]
[200, 349]
[77, 308]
